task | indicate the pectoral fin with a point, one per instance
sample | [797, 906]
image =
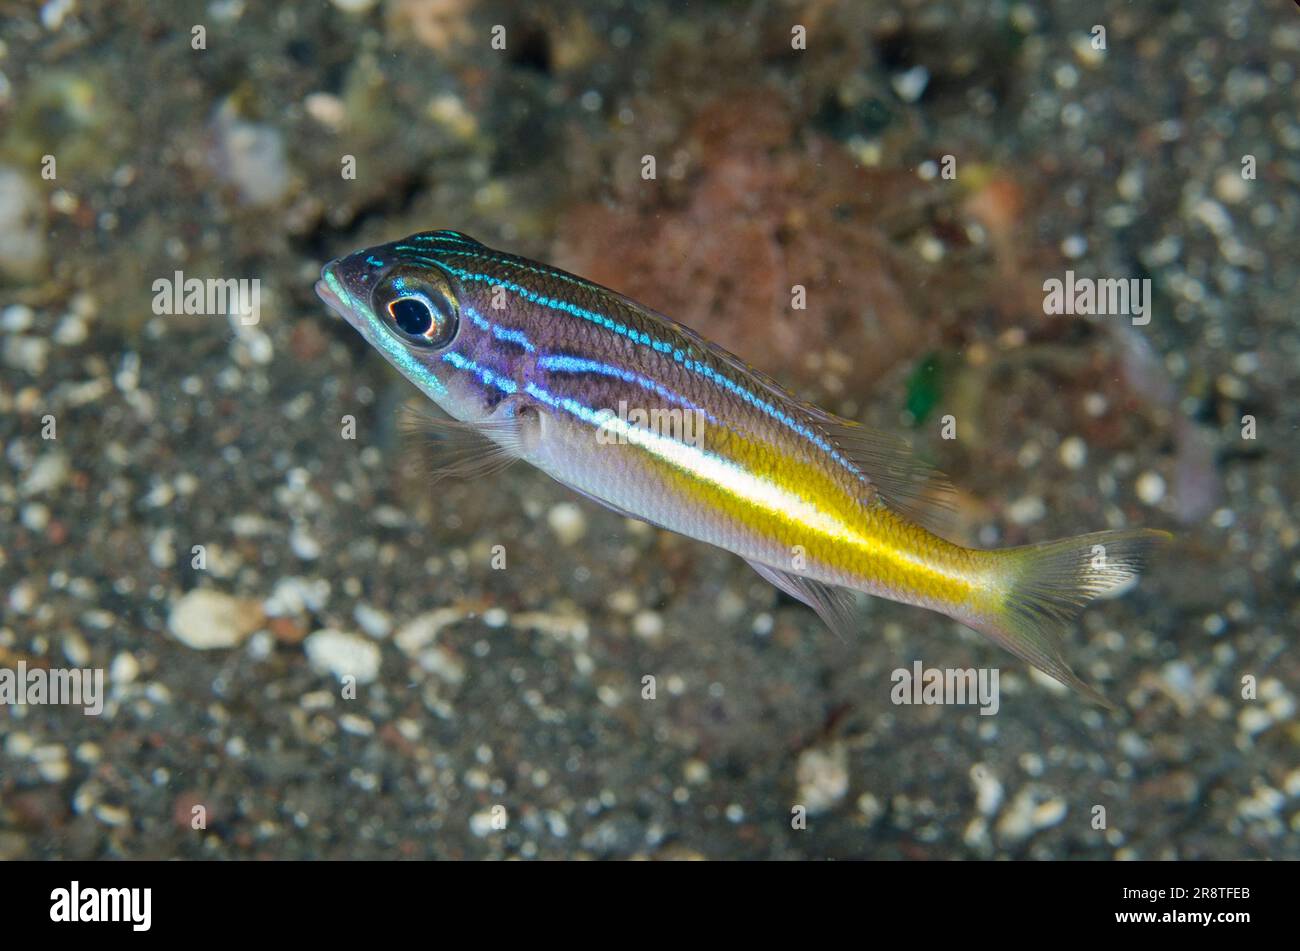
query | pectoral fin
[470, 450]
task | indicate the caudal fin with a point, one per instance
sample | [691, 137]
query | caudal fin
[1047, 585]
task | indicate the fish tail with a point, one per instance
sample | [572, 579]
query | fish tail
[1040, 589]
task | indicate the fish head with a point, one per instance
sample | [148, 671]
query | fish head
[412, 308]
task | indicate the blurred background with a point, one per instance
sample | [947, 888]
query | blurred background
[921, 168]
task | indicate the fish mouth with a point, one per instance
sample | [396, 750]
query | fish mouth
[330, 289]
[326, 294]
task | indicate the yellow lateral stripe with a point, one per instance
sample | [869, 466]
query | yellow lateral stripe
[873, 543]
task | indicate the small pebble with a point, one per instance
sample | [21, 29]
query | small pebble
[822, 774]
[205, 619]
[422, 630]
[372, 620]
[1254, 719]
[70, 332]
[341, 654]
[52, 762]
[304, 544]
[443, 664]
[1026, 510]
[648, 625]
[870, 807]
[910, 85]
[988, 789]
[1074, 247]
[1150, 488]
[17, 318]
[483, 823]
[1230, 187]
[250, 156]
[110, 815]
[1049, 813]
[1073, 452]
[23, 249]
[696, 772]
[357, 726]
[76, 650]
[294, 596]
[623, 601]
[48, 473]
[327, 109]
[567, 522]
[35, 516]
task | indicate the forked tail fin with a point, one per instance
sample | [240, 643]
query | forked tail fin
[1047, 585]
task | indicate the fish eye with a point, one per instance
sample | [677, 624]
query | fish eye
[412, 315]
[422, 311]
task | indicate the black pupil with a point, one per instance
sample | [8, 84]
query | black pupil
[412, 315]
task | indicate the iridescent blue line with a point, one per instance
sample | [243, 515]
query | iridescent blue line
[495, 258]
[461, 239]
[583, 412]
[488, 376]
[566, 363]
[505, 334]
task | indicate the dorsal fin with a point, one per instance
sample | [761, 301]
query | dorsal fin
[907, 484]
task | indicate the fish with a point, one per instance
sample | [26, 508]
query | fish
[646, 417]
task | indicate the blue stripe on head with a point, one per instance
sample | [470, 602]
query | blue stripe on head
[504, 334]
[487, 375]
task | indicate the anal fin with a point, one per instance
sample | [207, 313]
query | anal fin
[837, 607]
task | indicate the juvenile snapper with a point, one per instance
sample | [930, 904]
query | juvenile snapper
[537, 364]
